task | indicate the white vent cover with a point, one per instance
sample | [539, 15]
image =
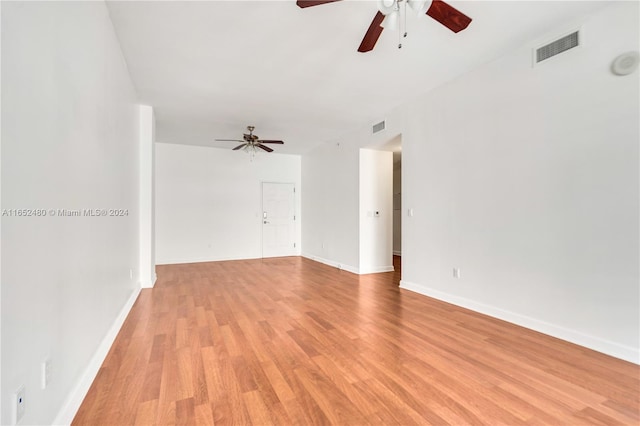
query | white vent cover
[558, 46]
[378, 127]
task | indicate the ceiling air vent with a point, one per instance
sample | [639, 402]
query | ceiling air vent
[556, 47]
[378, 127]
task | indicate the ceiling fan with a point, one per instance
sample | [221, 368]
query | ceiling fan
[251, 142]
[389, 13]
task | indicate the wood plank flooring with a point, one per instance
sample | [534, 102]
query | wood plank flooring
[291, 341]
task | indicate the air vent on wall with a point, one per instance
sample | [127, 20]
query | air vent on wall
[558, 46]
[378, 127]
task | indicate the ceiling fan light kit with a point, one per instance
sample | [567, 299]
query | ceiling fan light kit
[392, 14]
[420, 7]
[390, 21]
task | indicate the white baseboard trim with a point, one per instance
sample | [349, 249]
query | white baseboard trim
[333, 263]
[397, 253]
[76, 396]
[613, 349]
[203, 260]
[151, 284]
[349, 268]
[377, 270]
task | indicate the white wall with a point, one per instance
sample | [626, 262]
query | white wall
[527, 180]
[208, 201]
[1, 394]
[69, 141]
[376, 211]
[524, 178]
[147, 197]
[331, 205]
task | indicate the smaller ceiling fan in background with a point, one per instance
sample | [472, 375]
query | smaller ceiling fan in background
[388, 16]
[250, 142]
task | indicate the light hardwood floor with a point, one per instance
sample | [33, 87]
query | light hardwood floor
[291, 341]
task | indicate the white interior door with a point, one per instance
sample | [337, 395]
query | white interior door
[278, 219]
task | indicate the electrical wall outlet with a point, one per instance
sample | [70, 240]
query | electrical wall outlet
[45, 373]
[456, 272]
[19, 405]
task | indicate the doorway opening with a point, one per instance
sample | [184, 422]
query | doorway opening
[397, 207]
[380, 206]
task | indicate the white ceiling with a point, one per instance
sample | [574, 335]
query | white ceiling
[211, 68]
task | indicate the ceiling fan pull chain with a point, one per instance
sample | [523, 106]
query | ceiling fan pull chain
[400, 35]
[403, 10]
[405, 18]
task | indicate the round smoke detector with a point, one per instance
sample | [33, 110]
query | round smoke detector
[626, 63]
